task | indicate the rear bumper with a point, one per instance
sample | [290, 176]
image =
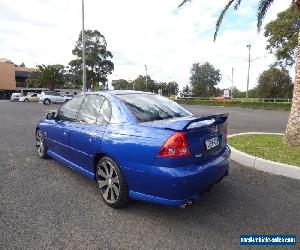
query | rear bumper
[176, 186]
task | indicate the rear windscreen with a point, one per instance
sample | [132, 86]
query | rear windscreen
[147, 107]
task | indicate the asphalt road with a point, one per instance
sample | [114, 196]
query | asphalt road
[247, 120]
[44, 205]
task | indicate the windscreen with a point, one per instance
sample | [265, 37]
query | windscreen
[147, 107]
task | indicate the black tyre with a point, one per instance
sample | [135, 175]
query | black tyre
[112, 185]
[26, 100]
[47, 102]
[40, 144]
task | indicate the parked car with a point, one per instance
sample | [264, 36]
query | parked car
[219, 98]
[47, 97]
[15, 97]
[137, 145]
[222, 98]
[69, 95]
[30, 97]
[184, 95]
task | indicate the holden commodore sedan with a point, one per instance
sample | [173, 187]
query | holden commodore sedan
[137, 145]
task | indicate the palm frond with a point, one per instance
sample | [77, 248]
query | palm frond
[237, 4]
[220, 19]
[263, 7]
[183, 3]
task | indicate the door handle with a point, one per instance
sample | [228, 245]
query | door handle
[92, 136]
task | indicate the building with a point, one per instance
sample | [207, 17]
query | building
[13, 76]
[13, 79]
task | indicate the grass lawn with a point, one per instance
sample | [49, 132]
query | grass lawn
[269, 147]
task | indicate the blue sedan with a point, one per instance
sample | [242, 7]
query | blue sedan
[137, 145]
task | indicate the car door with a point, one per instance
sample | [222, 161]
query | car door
[86, 134]
[55, 97]
[33, 98]
[59, 134]
[60, 97]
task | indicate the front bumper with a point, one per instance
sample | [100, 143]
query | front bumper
[176, 186]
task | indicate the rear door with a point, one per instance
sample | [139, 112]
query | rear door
[86, 134]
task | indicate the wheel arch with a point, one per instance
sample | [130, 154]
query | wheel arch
[100, 155]
[97, 158]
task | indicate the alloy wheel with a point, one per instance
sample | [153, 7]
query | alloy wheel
[108, 182]
[40, 142]
[47, 102]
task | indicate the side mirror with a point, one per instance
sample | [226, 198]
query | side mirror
[51, 116]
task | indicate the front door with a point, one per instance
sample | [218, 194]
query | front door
[59, 134]
[58, 138]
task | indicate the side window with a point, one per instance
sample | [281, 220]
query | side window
[105, 113]
[68, 111]
[90, 109]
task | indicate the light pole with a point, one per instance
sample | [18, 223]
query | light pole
[248, 78]
[83, 52]
[232, 70]
[146, 78]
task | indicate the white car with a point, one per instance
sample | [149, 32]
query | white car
[48, 97]
[15, 97]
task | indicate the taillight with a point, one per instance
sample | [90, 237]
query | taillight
[225, 132]
[175, 146]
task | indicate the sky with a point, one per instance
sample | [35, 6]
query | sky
[139, 32]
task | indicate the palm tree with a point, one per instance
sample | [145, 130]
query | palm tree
[50, 75]
[292, 133]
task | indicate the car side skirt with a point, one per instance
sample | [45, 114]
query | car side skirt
[71, 165]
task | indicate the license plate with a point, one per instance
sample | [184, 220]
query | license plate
[211, 143]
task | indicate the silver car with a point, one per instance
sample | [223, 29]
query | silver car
[48, 97]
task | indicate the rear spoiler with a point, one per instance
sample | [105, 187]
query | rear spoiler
[223, 117]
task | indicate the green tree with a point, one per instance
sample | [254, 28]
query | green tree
[282, 35]
[98, 58]
[292, 133]
[50, 75]
[252, 93]
[171, 88]
[236, 93]
[275, 83]
[168, 88]
[186, 89]
[204, 79]
[72, 78]
[32, 81]
[121, 84]
[140, 84]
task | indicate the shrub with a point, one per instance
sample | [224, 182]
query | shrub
[242, 104]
